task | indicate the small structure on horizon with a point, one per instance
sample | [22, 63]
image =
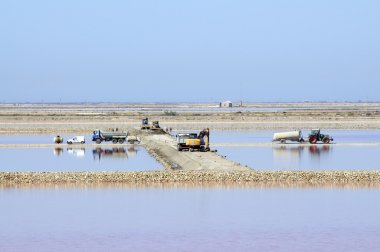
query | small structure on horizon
[225, 104]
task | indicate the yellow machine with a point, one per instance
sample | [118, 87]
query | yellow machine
[194, 141]
[146, 125]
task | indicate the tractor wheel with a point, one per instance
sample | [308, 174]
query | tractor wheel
[326, 140]
[313, 139]
[98, 141]
[121, 140]
[179, 148]
[114, 141]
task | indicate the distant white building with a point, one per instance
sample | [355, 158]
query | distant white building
[226, 104]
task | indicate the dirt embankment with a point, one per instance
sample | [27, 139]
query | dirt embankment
[83, 118]
[163, 147]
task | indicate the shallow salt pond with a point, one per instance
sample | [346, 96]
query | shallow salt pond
[341, 156]
[305, 157]
[262, 136]
[189, 219]
[77, 158]
[355, 150]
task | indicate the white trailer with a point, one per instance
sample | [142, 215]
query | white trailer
[295, 136]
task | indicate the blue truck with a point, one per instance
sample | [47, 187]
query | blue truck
[115, 136]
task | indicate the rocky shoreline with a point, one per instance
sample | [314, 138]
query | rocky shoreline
[253, 178]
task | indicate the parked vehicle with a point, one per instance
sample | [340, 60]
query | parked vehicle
[133, 139]
[78, 152]
[114, 136]
[58, 139]
[155, 125]
[77, 139]
[194, 141]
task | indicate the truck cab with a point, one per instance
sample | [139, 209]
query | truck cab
[95, 135]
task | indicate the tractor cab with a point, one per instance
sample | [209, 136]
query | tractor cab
[155, 125]
[182, 137]
[316, 136]
[188, 141]
[315, 132]
[145, 121]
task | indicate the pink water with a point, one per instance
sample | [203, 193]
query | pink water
[189, 219]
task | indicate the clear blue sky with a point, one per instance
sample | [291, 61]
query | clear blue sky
[128, 51]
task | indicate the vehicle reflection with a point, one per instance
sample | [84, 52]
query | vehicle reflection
[296, 152]
[78, 152]
[57, 151]
[116, 152]
[318, 150]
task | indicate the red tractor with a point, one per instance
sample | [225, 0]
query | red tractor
[316, 136]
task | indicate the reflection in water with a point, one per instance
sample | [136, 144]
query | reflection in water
[76, 158]
[317, 150]
[78, 152]
[300, 155]
[144, 219]
[305, 157]
[58, 151]
[297, 151]
[100, 153]
[116, 152]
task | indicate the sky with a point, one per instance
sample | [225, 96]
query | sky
[189, 51]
